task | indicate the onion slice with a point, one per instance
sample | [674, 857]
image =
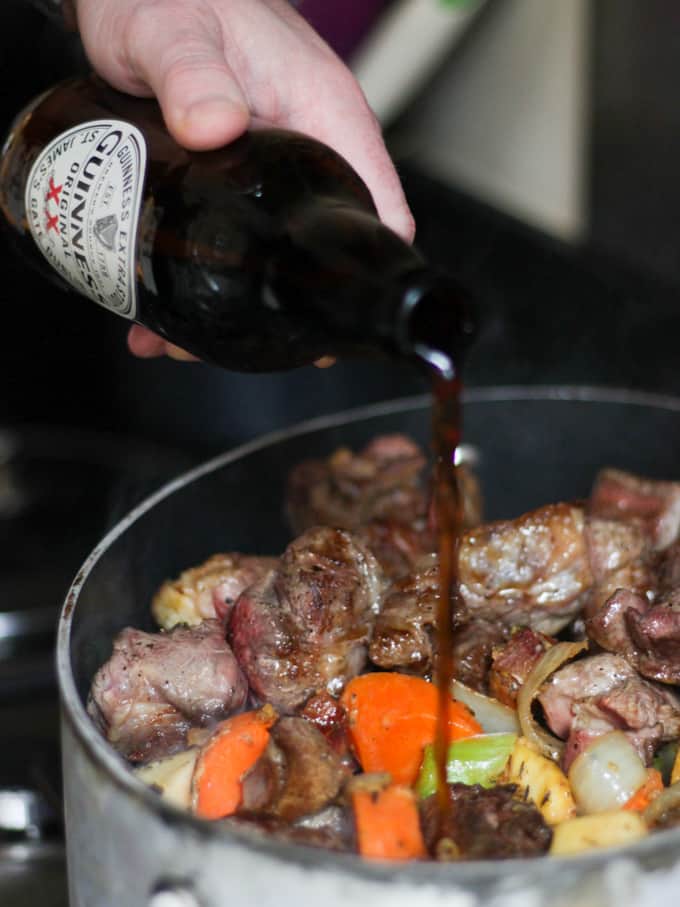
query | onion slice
[549, 662]
[494, 717]
[606, 774]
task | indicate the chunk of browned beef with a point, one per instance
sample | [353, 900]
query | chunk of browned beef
[531, 571]
[298, 774]
[209, 590]
[620, 558]
[404, 636]
[330, 717]
[654, 505]
[608, 626]
[512, 663]
[646, 634]
[602, 693]
[473, 645]
[668, 570]
[487, 823]
[398, 547]
[306, 626]
[156, 685]
[382, 493]
[384, 481]
[655, 635]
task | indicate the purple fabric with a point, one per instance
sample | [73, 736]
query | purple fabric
[342, 23]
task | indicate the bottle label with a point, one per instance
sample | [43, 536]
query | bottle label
[83, 199]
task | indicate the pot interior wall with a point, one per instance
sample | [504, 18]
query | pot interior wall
[533, 450]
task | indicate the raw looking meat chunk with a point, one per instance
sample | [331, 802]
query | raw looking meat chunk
[156, 686]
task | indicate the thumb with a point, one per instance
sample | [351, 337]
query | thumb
[183, 63]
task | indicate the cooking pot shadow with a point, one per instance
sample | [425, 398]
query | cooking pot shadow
[126, 846]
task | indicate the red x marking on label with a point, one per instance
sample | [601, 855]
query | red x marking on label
[54, 193]
[52, 222]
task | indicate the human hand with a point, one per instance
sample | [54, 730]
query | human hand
[213, 64]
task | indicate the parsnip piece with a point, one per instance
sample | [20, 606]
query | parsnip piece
[675, 772]
[540, 780]
[171, 606]
[171, 776]
[585, 833]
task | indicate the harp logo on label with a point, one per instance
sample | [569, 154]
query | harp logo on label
[83, 198]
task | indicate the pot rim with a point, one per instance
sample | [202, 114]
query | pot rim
[428, 873]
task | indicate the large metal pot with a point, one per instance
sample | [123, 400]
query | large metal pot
[126, 847]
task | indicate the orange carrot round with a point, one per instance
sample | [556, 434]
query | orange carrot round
[388, 824]
[392, 717]
[233, 749]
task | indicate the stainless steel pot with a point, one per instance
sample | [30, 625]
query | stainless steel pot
[127, 848]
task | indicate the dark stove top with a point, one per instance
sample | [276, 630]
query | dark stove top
[59, 492]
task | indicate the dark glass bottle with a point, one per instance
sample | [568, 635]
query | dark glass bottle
[264, 255]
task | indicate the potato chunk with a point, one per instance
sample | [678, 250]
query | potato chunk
[609, 829]
[171, 776]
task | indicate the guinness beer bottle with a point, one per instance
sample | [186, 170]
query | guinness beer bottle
[264, 255]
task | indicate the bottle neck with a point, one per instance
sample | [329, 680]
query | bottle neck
[370, 288]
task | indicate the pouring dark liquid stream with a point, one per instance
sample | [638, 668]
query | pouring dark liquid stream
[440, 333]
[446, 436]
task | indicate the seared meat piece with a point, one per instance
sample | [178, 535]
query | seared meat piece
[330, 717]
[656, 638]
[488, 824]
[404, 636]
[613, 546]
[668, 570]
[298, 774]
[654, 505]
[512, 663]
[530, 571]
[332, 828]
[647, 635]
[383, 482]
[603, 693]
[608, 626]
[398, 547]
[207, 591]
[620, 558]
[473, 645]
[156, 685]
[381, 493]
[306, 626]
[639, 578]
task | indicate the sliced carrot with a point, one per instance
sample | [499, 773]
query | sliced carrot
[388, 824]
[392, 718]
[644, 795]
[233, 749]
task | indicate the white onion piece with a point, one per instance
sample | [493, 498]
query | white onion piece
[548, 663]
[493, 716]
[606, 774]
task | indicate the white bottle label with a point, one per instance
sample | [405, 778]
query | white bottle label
[83, 199]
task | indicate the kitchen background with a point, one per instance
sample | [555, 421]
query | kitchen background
[538, 141]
